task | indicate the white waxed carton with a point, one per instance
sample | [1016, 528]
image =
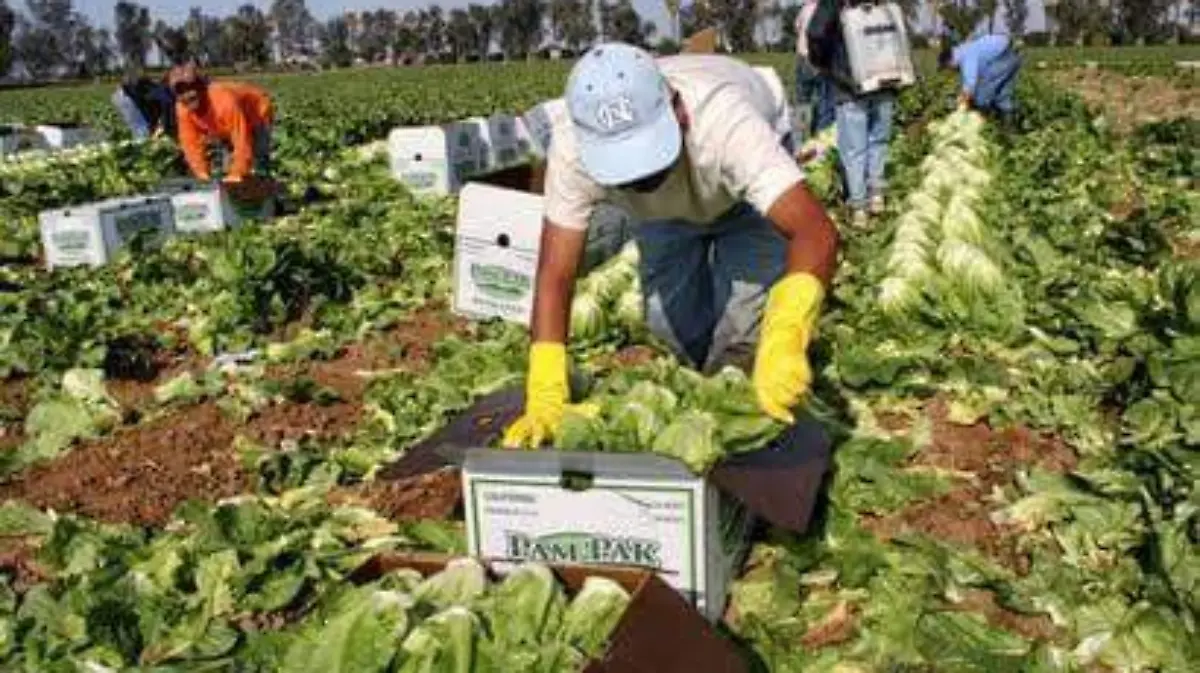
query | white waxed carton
[574, 508]
[65, 136]
[877, 45]
[15, 138]
[434, 160]
[199, 209]
[496, 245]
[92, 234]
[538, 123]
[498, 142]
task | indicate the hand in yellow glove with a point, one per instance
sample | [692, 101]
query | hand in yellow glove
[546, 396]
[781, 371]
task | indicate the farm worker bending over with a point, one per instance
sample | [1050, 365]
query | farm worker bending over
[233, 113]
[988, 66]
[148, 107]
[697, 147]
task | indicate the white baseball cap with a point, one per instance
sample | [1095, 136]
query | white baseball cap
[620, 108]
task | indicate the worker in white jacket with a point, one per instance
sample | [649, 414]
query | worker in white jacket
[730, 240]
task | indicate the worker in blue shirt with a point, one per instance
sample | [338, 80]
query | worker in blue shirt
[988, 66]
[147, 106]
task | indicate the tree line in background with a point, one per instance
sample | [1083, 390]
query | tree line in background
[51, 39]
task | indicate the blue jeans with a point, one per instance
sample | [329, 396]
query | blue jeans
[864, 129]
[705, 286]
[814, 98]
[996, 89]
[137, 124]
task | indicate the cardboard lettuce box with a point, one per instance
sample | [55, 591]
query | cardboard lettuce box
[636, 509]
[92, 234]
[658, 633]
[201, 207]
[497, 244]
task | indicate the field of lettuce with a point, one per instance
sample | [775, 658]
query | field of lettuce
[1009, 365]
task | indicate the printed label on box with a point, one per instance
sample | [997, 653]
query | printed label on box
[128, 226]
[517, 522]
[494, 281]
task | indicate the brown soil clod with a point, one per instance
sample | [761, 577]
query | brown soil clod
[837, 627]
[991, 454]
[140, 474]
[17, 560]
[15, 400]
[409, 343]
[963, 516]
[429, 496]
[1030, 627]
[631, 356]
[959, 517]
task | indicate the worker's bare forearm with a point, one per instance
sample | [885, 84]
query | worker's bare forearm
[811, 235]
[557, 265]
[551, 303]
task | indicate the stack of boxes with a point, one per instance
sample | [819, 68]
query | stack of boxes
[92, 234]
[492, 164]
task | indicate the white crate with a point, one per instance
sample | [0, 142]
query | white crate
[496, 245]
[93, 233]
[498, 143]
[15, 138]
[434, 160]
[498, 242]
[537, 125]
[201, 208]
[73, 237]
[65, 136]
[877, 46]
[574, 508]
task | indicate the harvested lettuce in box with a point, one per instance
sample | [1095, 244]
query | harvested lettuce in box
[459, 621]
[594, 615]
[673, 411]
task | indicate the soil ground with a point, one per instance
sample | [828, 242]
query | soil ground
[961, 517]
[14, 404]
[1129, 101]
[141, 473]
[17, 561]
[428, 496]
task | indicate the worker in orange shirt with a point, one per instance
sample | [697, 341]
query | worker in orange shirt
[232, 113]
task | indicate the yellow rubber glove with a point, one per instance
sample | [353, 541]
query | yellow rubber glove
[781, 371]
[546, 397]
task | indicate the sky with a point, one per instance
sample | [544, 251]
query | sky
[100, 12]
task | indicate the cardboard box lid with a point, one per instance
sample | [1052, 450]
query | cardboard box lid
[702, 42]
[779, 483]
[659, 632]
[554, 464]
[420, 143]
[509, 217]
